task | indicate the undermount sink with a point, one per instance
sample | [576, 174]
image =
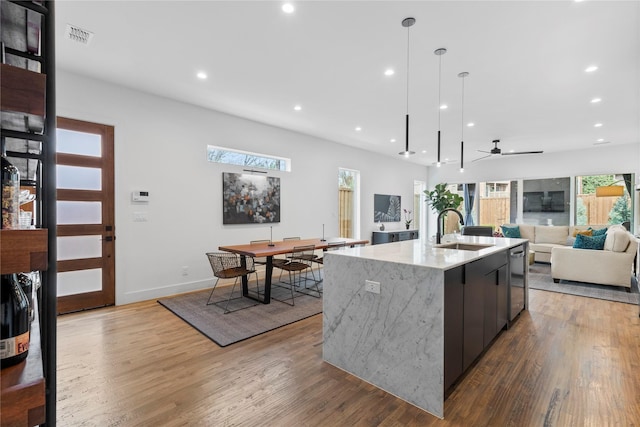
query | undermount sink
[463, 246]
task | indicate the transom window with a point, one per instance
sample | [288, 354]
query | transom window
[244, 158]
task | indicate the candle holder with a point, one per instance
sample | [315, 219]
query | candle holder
[271, 236]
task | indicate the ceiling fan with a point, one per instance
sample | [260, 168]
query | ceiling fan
[496, 150]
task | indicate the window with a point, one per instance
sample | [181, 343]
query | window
[546, 201]
[242, 158]
[349, 203]
[495, 203]
[611, 207]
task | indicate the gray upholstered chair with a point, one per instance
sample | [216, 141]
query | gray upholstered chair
[477, 230]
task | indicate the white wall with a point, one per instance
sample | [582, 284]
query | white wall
[160, 146]
[605, 159]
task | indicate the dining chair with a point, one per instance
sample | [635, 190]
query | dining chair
[299, 261]
[226, 265]
[263, 259]
[277, 262]
[331, 246]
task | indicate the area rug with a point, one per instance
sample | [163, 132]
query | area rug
[251, 319]
[540, 278]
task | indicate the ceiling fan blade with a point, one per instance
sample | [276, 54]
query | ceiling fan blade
[480, 158]
[523, 152]
[482, 151]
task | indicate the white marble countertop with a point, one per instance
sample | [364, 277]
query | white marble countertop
[425, 253]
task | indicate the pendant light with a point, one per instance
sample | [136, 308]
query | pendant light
[407, 22]
[462, 75]
[439, 52]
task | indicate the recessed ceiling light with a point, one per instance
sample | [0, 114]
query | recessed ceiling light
[424, 151]
[201, 75]
[288, 8]
[471, 124]
[596, 100]
[591, 68]
[393, 140]
[601, 142]
[358, 128]
[600, 139]
[598, 125]
[297, 108]
[444, 107]
[389, 72]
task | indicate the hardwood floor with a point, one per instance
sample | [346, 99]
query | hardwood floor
[568, 361]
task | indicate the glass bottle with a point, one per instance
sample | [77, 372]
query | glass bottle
[14, 321]
[10, 195]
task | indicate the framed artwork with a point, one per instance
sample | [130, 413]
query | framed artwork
[386, 208]
[250, 199]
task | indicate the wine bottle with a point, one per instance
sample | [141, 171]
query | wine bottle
[10, 195]
[14, 321]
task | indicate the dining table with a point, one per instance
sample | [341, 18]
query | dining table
[269, 249]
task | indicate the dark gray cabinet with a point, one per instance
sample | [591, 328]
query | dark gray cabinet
[475, 311]
[473, 308]
[393, 236]
[453, 324]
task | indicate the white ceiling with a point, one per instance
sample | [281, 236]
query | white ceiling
[527, 85]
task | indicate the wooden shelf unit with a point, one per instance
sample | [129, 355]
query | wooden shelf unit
[27, 390]
[22, 386]
[22, 90]
[23, 250]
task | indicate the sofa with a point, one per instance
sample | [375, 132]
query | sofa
[543, 238]
[609, 265]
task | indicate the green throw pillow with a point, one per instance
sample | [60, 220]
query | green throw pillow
[511, 231]
[598, 232]
[589, 242]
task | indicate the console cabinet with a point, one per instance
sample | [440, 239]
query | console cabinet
[393, 236]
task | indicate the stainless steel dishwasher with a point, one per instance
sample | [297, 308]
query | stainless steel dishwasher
[518, 270]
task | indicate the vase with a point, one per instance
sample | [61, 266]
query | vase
[407, 225]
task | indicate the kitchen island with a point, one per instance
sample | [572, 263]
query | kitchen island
[411, 317]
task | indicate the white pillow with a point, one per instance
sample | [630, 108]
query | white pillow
[617, 240]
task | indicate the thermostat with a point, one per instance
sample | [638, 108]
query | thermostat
[140, 196]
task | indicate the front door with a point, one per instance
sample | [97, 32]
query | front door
[85, 215]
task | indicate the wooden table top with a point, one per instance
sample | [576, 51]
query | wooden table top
[282, 247]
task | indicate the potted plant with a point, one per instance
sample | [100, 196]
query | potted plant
[407, 218]
[440, 198]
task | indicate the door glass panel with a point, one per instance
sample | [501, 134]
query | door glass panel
[78, 178]
[78, 247]
[79, 212]
[72, 142]
[77, 282]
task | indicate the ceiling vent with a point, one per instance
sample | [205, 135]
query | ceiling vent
[78, 35]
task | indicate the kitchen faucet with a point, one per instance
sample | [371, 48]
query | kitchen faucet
[441, 219]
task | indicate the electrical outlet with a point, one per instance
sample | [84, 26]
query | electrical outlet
[371, 286]
[185, 270]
